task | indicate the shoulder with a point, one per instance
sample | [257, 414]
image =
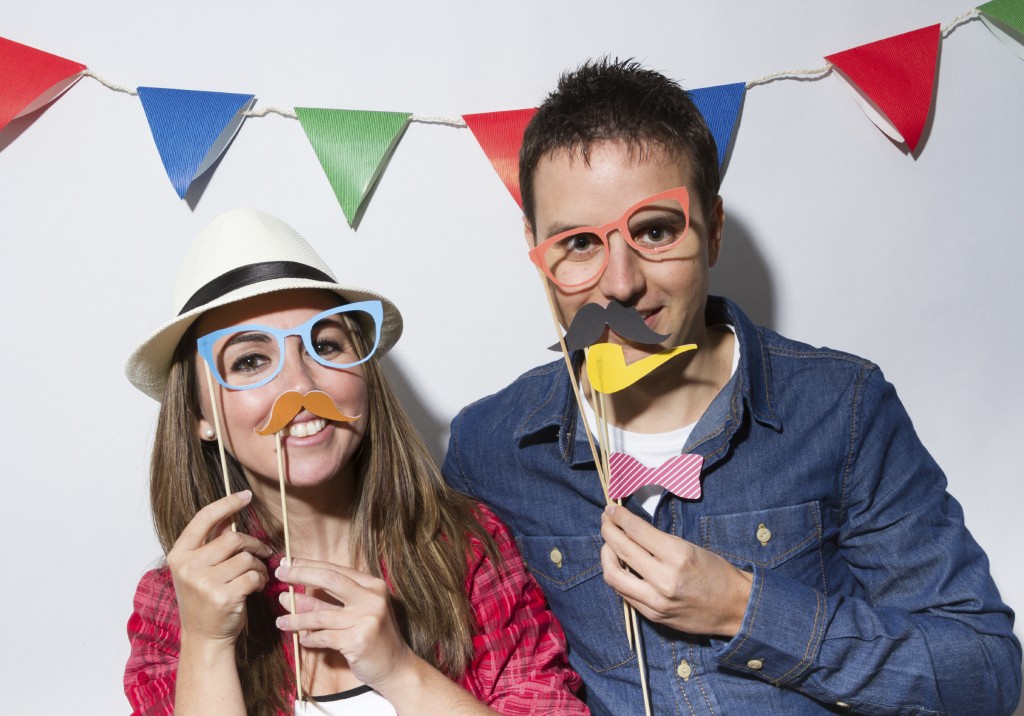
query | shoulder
[528, 389]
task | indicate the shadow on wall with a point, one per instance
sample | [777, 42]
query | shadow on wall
[434, 431]
[742, 274]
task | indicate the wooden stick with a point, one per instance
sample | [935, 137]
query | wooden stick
[288, 556]
[597, 403]
[640, 663]
[220, 437]
[575, 385]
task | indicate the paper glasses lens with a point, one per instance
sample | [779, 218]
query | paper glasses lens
[575, 258]
[246, 357]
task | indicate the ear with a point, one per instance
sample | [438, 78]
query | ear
[528, 233]
[205, 430]
[715, 224]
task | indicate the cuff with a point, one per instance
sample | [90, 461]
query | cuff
[782, 629]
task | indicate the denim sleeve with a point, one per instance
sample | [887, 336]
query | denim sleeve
[451, 469]
[928, 632]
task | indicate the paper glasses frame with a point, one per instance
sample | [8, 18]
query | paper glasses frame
[206, 343]
[621, 225]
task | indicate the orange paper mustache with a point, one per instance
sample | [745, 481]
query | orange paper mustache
[291, 403]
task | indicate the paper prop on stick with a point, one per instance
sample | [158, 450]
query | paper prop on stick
[291, 403]
[893, 81]
[192, 129]
[588, 325]
[608, 372]
[353, 147]
[500, 135]
[286, 407]
[1005, 18]
[679, 475]
[31, 78]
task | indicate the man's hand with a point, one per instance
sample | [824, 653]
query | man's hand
[672, 582]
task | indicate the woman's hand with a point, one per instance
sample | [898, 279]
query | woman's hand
[362, 625]
[214, 570]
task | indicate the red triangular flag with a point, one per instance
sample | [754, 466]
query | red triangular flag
[897, 75]
[31, 78]
[500, 135]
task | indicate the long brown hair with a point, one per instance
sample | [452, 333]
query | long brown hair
[406, 521]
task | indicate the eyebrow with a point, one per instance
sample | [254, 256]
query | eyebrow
[250, 336]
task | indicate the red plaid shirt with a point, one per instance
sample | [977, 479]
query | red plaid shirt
[519, 664]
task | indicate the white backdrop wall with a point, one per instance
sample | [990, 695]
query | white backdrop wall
[833, 236]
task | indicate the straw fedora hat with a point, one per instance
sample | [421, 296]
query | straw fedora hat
[240, 254]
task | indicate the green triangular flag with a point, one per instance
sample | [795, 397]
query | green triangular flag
[353, 146]
[1005, 18]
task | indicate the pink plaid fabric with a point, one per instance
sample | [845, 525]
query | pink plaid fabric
[519, 663]
[679, 475]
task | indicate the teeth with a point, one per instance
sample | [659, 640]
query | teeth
[304, 430]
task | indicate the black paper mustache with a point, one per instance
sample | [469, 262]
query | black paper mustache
[587, 326]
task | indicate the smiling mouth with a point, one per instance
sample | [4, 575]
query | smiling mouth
[307, 428]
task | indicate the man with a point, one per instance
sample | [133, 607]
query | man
[823, 556]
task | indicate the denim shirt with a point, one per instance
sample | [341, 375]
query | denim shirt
[868, 591]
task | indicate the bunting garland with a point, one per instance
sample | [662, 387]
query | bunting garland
[893, 80]
[1005, 18]
[31, 79]
[897, 78]
[192, 128]
[353, 146]
[500, 134]
[720, 106]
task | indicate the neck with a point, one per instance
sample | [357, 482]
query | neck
[319, 516]
[675, 394]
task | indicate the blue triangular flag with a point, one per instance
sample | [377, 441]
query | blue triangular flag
[192, 128]
[720, 106]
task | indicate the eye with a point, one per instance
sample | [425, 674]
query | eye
[327, 348]
[658, 234]
[579, 246]
[249, 363]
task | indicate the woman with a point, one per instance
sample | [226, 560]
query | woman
[405, 587]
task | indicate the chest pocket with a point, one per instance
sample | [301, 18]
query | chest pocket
[784, 539]
[568, 568]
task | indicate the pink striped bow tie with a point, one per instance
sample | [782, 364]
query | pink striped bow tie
[679, 475]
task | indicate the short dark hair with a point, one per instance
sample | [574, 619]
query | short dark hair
[623, 101]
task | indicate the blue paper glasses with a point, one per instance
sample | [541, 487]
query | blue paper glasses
[249, 356]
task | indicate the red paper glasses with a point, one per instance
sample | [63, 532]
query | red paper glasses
[579, 256]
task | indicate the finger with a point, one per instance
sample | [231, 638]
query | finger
[231, 543]
[635, 556]
[332, 580]
[195, 534]
[361, 578]
[238, 565]
[640, 531]
[333, 619]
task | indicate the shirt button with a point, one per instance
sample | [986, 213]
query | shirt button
[556, 557]
[763, 534]
[684, 670]
[755, 664]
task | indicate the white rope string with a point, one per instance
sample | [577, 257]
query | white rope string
[804, 75]
[960, 20]
[457, 122]
[109, 85]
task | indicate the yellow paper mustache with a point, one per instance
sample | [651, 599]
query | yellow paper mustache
[291, 403]
[608, 372]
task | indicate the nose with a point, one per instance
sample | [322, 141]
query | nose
[297, 370]
[623, 278]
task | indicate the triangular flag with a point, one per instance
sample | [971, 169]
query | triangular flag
[192, 128]
[353, 147]
[1005, 18]
[894, 81]
[31, 78]
[500, 135]
[720, 106]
